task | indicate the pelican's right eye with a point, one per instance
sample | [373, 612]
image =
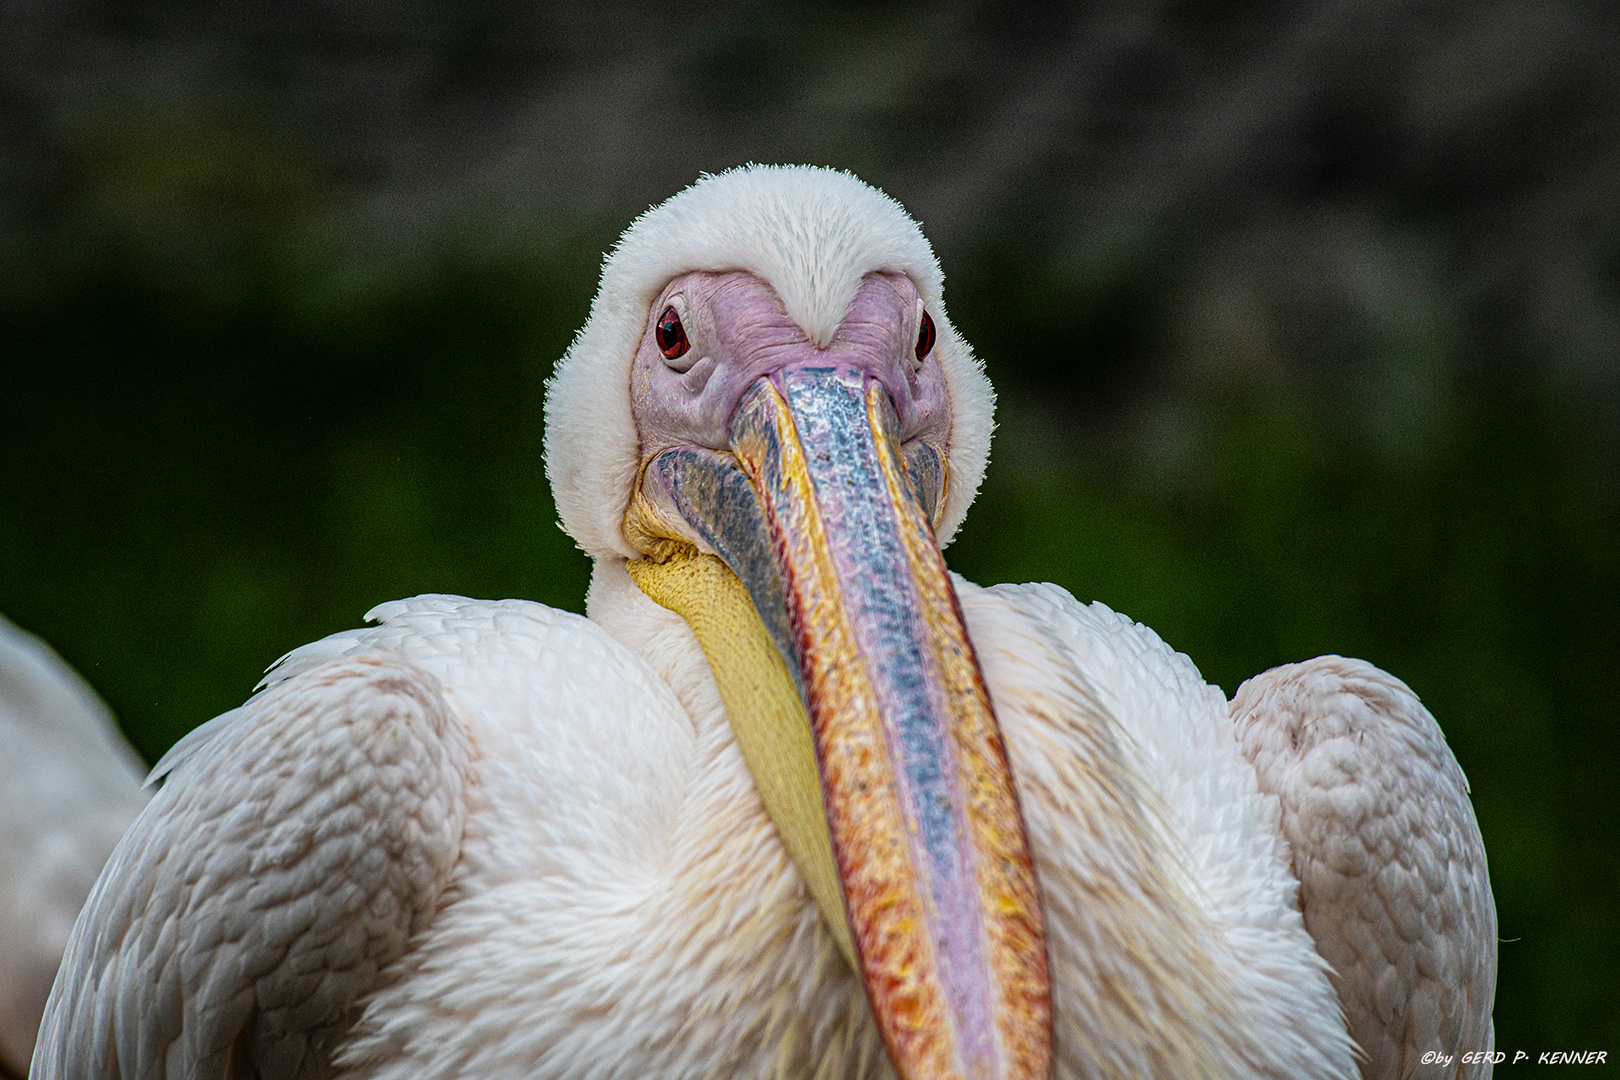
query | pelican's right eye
[671, 335]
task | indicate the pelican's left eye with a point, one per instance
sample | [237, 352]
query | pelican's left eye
[925, 337]
[671, 335]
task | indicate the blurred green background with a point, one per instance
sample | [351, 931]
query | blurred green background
[1306, 321]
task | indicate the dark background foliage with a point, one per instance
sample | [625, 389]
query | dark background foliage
[1306, 320]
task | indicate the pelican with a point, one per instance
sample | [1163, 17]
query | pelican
[69, 787]
[791, 800]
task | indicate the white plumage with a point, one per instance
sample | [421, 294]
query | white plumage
[491, 839]
[69, 787]
[1376, 812]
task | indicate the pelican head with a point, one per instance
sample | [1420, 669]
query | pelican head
[770, 420]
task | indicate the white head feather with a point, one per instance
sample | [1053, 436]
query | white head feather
[812, 234]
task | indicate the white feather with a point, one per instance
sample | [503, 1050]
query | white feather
[1386, 848]
[1139, 721]
[286, 861]
[69, 786]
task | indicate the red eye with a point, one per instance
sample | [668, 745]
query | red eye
[671, 334]
[925, 337]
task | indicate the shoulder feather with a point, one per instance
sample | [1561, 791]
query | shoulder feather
[294, 848]
[1392, 871]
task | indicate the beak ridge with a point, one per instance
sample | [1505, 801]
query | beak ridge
[927, 836]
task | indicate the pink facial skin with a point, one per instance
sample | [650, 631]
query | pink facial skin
[739, 332]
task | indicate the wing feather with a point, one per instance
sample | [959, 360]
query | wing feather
[1393, 881]
[294, 848]
[69, 787]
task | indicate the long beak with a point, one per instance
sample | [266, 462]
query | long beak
[818, 516]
